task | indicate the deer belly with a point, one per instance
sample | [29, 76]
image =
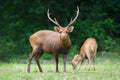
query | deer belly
[47, 49]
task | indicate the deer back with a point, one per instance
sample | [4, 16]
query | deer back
[89, 46]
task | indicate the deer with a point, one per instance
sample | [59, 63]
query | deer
[51, 42]
[88, 50]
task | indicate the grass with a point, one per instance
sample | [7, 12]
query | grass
[107, 68]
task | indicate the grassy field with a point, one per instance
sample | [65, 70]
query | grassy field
[107, 68]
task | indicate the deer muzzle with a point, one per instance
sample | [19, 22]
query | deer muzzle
[63, 36]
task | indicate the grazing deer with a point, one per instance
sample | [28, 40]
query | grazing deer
[54, 42]
[88, 49]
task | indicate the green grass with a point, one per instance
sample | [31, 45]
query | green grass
[107, 68]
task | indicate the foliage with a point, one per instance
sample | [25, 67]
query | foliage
[19, 19]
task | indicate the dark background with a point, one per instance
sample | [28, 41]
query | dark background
[21, 18]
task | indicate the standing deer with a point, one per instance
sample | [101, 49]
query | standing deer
[88, 50]
[54, 42]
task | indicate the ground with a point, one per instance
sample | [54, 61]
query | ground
[107, 68]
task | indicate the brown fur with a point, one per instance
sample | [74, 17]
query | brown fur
[88, 49]
[54, 42]
[46, 41]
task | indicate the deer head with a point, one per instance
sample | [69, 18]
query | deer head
[75, 61]
[63, 30]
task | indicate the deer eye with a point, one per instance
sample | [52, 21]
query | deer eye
[60, 31]
[67, 32]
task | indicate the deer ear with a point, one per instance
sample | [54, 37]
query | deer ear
[70, 29]
[75, 55]
[56, 29]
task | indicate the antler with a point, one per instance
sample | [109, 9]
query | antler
[71, 21]
[54, 21]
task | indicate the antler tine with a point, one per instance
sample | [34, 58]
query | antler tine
[71, 21]
[54, 21]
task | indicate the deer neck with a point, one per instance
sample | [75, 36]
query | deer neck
[65, 43]
[82, 56]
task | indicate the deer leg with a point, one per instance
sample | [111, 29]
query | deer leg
[89, 62]
[80, 64]
[64, 61]
[29, 60]
[38, 55]
[56, 60]
[94, 63]
[94, 58]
